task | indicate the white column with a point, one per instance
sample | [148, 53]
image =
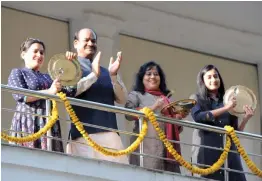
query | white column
[259, 72]
[107, 29]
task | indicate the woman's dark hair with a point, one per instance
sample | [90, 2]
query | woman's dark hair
[27, 44]
[203, 93]
[139, 86]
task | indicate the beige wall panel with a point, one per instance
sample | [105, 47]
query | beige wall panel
[181, 68]
[16, 27]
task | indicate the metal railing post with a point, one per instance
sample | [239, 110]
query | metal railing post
[49, 133]
[141, 148]
[226, 161]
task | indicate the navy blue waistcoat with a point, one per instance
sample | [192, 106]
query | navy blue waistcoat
[101, 91]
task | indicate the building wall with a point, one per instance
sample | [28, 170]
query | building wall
[175, 31]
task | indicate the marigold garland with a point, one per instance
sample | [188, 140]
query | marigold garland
[93, 144]
[216, 166]
[51, 121]
[150, 115]
[251, 165]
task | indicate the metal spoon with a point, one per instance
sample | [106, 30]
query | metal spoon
[170, 93]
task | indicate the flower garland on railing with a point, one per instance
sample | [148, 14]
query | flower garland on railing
[251, 165]
[93, 144]
[150, 115]
[51, 121]
[216, 166]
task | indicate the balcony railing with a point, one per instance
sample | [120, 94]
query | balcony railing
[121, 110]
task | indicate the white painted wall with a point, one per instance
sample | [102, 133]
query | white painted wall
[213, 36]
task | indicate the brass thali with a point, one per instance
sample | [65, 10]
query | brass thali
[179, 107]
[68, 71]
[244, 96]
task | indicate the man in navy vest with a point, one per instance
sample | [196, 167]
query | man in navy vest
[103, 86]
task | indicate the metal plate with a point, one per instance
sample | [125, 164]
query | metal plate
[244, 96]
[69, 71]
[180, 106]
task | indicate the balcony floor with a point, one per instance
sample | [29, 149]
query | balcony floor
[19, 163]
